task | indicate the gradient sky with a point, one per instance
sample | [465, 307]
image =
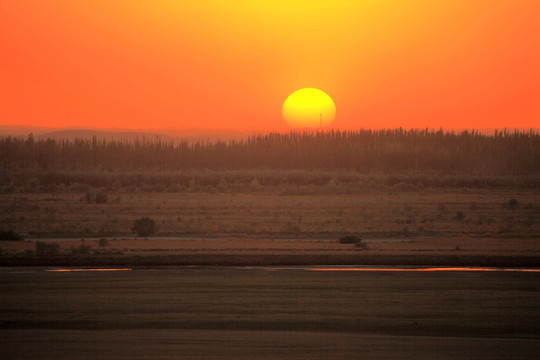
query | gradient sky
[166, 64]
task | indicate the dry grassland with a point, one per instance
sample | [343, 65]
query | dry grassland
[451, 222]
[380, 215]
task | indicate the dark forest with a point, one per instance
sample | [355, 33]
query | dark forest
[422, 157]
[366, 151]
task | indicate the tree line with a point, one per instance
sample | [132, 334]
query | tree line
[391, 151]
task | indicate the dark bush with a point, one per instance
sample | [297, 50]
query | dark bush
[350, 239]
[44, 249]
[460, 216]
[10, 235]
[83, 249]
[362, 245]
[103, 242]
[101, 198]
[511, 204]
[405, 232]
[90, 197]
[144, 226]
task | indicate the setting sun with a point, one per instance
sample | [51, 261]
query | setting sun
[309, 107]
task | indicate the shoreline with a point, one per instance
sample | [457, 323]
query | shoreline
[506, 261]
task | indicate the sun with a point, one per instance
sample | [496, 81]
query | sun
[309, 108]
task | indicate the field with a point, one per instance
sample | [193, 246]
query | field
[440, 211]
[268, 313]
[439, 222]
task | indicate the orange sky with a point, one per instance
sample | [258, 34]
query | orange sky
[172, 64]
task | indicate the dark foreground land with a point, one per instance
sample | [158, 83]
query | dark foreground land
[206, 259]
[268, 313]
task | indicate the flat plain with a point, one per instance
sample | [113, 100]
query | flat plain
[444, 212]
[446, 222]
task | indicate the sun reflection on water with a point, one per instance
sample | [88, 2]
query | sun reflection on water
[88, 270]
[431, 269]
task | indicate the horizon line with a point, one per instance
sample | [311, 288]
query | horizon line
[28, 129]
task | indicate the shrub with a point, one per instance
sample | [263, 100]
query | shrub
[10, 235]
[101, 198]
[460, 216]
[44, 249]
[144, 226]
[103, 242]
[33, 185]
[350, 239]
[83, 249]
[405, 231]
[361, 245]
[89, 197]
[511, 204]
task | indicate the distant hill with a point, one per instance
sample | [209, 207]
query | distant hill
[23, 131]
[190, 135]
[106, 135]
[193, 135]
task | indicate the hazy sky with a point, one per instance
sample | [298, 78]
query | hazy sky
[230, 64]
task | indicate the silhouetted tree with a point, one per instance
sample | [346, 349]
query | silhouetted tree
[390, 151]
[10, 235]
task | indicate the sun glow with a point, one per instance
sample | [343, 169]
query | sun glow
[138, 64]
[309, 107]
